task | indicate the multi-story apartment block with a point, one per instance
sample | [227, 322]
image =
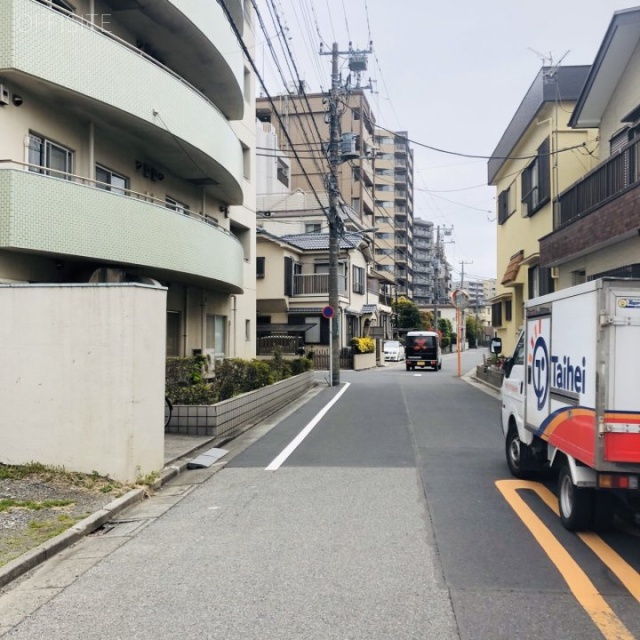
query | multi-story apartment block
[423, 271]
[538, 156]
[393, 217]
[127, 136]
[595, 229]
[375, 180]
[303, 116]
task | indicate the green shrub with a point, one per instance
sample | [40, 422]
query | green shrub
[185, 382]
[258, 374]
[301, 365]
[281, 368]
[363, 345]
[195, 394]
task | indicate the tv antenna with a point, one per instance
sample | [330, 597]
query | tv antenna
[547, 62]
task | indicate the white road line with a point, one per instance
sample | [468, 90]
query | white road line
[291, 447]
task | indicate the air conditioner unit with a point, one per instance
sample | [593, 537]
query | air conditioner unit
[554, 273]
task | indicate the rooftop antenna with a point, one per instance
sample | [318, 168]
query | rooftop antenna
[549, 73]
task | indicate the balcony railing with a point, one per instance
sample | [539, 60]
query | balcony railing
[83, 22]
[127, 193]
[609, 179]
[313, 284]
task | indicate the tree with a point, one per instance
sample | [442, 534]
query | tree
[472, 331]
[444, 325]
[427, 320]
[407, 314]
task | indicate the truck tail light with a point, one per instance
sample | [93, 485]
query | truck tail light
[611, 481]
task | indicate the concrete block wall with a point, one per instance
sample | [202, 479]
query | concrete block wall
[82, 377]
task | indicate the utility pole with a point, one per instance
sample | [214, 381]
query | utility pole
[462, 331]
[436, 288]
[334, 219]
[357, 63]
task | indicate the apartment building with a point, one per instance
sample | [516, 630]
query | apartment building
[423, 255]
[393, 216]
[595, 229]
[127, 137]
[538, 156]
[302, 115]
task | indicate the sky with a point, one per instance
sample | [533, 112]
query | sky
[452, 74]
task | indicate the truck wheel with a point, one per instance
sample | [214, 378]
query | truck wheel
[575, 503]
[514, 451]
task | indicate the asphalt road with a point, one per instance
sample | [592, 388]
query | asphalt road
[384, 522]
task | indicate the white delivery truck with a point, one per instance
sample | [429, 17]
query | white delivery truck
[571, 398]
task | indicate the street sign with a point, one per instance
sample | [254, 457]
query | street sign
[328, 312]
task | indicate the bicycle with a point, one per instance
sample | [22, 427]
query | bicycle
[168, 411]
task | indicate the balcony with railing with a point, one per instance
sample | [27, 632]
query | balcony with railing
[314, 284]
[610, 179]
[60, 214]
[149, 101]
[601, 206]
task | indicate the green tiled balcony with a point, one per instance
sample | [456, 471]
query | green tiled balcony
[58, 217]
[63, 60]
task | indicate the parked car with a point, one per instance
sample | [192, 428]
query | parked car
[393, 350]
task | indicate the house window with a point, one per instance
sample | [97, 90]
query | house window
[247, 330]
[504, 206]
[315, 227]
[216, 334]
[46, 154]
[246, 162]
[110, 180]
[355, 204]
[358, 279]
[534, 282]
[282, 173]
[507, 310]
[496, 314]
[323, 267]
[260, 267]
[312, 335]
[247, 84]
[536, 179]
[176, 205]
[173, 334]
[578, 277]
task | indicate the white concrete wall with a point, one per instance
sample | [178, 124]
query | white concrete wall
[82, 377]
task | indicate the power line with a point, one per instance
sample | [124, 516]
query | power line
[245, 50]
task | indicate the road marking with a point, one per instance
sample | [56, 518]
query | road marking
[582, 588]
[617, 565]
[291, 447]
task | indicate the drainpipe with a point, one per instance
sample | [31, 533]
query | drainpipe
[234, 310]
[91, 173]
[203, 321]
[184, 328]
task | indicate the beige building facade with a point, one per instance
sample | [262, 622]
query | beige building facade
[538, 156]
[115, 168]
[595, 229]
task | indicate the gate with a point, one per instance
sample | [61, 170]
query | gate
[321, 358]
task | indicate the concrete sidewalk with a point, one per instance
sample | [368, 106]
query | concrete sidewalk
[179, 451]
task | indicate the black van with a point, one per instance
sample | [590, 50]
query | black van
[422, 349]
